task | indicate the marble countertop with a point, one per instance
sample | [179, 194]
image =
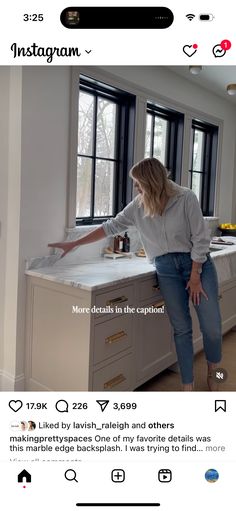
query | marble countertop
[95, 274]
[101, 273]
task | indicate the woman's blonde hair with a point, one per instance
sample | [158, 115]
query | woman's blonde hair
[156, 186]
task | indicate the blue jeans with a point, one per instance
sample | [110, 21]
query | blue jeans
[173, 272]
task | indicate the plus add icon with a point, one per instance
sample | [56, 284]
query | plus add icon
[118, 475]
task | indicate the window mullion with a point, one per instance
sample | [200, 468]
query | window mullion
[152, 135]
[191, 170]
[203, 190]
[206, 177]
[169, 147]
[94, 157]
[119, 148]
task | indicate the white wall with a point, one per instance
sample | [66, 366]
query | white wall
[38, 174]
[45, 142]
[4, 123]
[10, 222]
[13, 222]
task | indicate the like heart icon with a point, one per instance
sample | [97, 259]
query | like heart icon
[190, 49]
[15, 405]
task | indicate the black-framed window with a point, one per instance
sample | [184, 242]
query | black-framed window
[202, 174]
[105, 151]
[164, 138]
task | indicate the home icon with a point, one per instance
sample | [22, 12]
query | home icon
[24, 476]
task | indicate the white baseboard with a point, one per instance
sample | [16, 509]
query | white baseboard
[9, 383]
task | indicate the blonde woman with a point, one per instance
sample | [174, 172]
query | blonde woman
[172, 230]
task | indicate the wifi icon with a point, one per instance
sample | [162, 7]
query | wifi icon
[190, 16]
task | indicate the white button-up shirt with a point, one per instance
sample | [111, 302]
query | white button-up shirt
[180, 228]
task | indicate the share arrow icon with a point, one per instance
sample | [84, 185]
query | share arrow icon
[102, 403]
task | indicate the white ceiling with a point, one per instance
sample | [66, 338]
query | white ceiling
[213, 78]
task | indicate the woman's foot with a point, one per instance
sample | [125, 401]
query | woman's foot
[211, 382]
[188, 386]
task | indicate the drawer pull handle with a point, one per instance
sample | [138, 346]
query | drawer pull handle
[159, 304]
[115, 337]
[114, 381]
[114, 301]
[156, 287]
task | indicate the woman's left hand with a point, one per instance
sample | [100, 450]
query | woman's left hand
[195, 288]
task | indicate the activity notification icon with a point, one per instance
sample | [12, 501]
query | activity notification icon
[190, 49]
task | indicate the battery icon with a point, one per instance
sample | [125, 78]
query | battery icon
[206, 17]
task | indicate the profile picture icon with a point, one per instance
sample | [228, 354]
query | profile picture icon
[23, 425]
[15, 426]
[211, 475]
[31, 425]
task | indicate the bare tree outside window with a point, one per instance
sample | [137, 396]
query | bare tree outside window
[148, 138]
[160, 139]
[156, 140]
[198, 155]
[104, 176]
[203, 156]
[97, 133]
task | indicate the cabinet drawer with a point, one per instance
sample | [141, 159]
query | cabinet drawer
[149, 288]
[227, 303]
[111, 337]
[117, 376]
[117, 298]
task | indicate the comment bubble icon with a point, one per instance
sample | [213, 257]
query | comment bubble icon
[62, 406]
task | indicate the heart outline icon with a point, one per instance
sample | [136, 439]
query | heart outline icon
[189, 50]
[15, 405]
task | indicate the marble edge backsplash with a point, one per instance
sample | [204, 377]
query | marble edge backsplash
[83, 254]
[93, 251]
[33, 263]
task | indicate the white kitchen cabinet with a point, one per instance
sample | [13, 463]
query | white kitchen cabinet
[66, 350]
[102, 351]
[227, 297]
[58, 352]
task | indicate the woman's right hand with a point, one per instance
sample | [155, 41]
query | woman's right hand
[66, 246]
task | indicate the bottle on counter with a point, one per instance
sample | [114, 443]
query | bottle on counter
[126, 243]
[121, 240]
[118, 244]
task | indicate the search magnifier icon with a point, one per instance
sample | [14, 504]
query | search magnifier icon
[70, 475]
